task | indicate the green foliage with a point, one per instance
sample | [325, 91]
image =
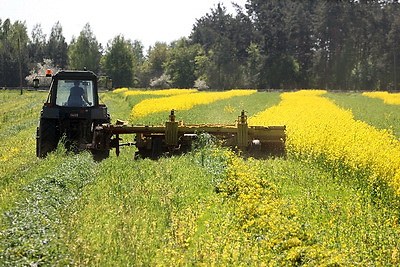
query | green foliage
[31, 233]
[208, 207]
[181, 65]
[57, 48]
[85, 51]
[224, 39]
[13, 52]
[154, 66]
[118, 62]
[373, 111]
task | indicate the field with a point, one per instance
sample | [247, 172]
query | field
[333, 200]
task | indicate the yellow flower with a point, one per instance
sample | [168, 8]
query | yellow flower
[318, 129]
[182, 102]
[119, 90]
[168, 92]
[388, 98]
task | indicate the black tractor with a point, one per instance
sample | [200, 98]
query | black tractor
[71, 113]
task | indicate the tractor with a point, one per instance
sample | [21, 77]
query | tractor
[71, 113]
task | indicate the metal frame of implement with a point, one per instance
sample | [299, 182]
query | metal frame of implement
[174, 135]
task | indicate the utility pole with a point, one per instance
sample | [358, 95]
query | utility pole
[20, 65]
[394, 71]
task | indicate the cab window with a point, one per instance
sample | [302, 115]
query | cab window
[75, 93]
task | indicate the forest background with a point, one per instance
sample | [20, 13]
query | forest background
[336, 45]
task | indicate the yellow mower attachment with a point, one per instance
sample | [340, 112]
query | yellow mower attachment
[177, 137]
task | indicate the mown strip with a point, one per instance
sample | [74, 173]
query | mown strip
[17, 149]
[31, 233]
[223, 111]
[226, 111]
[371, 110]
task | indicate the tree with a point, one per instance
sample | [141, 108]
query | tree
[332, 33]
[253, 66]
[85, 51]
[57, 48]
[181, 65]
[118, 62]
[270, 20]
[138, 61]
[153, 68]
[224, 39]
[14, 53]
[37, 47]
[299, 19]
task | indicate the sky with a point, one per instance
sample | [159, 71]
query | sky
[147, 21]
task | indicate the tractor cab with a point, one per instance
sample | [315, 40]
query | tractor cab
[74, 89]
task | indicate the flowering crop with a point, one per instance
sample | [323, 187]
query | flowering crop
[388, 98]
[255, 222]
[210, 207]
[167, 92]
[182, 102]
[126, 92]
[120, 90]
[317, 128]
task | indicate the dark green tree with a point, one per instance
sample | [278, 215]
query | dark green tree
[301, 44]
[118, 62]
[13, 53]
[334, 51]
[253, 66]
[138, 61]
[391, 53]
[85, 51]
[270, 20]
[153, 67]
[224, 39]
[57, 48]
[37, 46]
[181, 63]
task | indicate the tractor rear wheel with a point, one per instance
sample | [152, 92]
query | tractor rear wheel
[47, 137]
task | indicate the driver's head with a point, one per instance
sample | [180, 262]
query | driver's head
[76, 83]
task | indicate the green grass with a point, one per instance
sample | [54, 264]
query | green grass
[219, 112]
[339, 212]
[120, 106]
[32, 231]
[129, 214]
[19, 118]
[371, 110]
[195, 209]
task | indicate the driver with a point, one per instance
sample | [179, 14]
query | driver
[77, 96]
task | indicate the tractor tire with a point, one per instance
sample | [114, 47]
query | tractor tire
[47, 137]
[99, 155]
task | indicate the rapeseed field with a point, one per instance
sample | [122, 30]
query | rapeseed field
[332, 200]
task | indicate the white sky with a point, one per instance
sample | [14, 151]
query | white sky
[147, 20]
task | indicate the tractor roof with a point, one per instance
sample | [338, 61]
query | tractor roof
[74, 74]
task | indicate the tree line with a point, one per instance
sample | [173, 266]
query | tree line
[329, 44]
